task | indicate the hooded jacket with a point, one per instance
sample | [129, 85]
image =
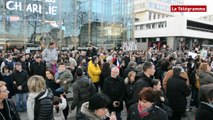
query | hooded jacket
[94, 72]
[65, 76]
[83, 89]
[59, 115]
[87, 114]
[169, 74]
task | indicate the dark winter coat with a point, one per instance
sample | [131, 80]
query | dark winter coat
[43, 110]
[155, 113]
[52, 85]
[177, 91]
[20, 78]
[10, 108]
[205, 112]
[115, 90]
[141, 83]
[38, 68]
[87, 114]
[83, 89]
[129, 92]
[9, 82]
[205, 78]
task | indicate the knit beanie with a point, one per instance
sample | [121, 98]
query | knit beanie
[98, 101]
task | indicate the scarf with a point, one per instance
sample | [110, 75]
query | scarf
[142, 112]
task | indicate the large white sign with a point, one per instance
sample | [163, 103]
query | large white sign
[130, 46]
[50, 9]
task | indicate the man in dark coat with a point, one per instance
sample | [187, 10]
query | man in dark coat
[38, 67]
[177, 91]
[114, 88]
[205, 111]
[20, 77]
[83, 89]
[144, 80]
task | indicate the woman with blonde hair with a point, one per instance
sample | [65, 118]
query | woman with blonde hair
[205, 75]
[7, 108]
[130, 88]
[39, 102]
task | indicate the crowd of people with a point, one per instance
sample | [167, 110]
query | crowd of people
[148, 85]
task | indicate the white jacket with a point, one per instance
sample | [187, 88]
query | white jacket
[62, 106]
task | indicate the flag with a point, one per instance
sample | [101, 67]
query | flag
[118, 64]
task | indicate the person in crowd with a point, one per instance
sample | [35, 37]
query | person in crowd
[130, 88]
[91, 51]
[205, 111]
[114, 88]
[131, 67]
[95, 109]
[161, 99]
[8, 62]
[59, 104]
[21, 59]
[162, 67]
[19, 78]
[146, 108]
[94, 71]
[170, 73]
[205, 75]
[50, 81]
[50, 53]
[123, 66]
[28, 61]
[83, 89]
[38, 67]
[7, 107]
[105, 74]
[203, 92]
[73, 61]
[144, 80]
[39, 102]
[81, 58]
[6, 76]
[177, 91]
[53, 66]
[1, 56]
[64, 78]
[109, 59]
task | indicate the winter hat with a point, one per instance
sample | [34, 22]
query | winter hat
[98, 101]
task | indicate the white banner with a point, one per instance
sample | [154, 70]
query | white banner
[130, 46]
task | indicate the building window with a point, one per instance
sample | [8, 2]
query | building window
[138, 40]
[154, 16]
[150, 15]
[158, 16]
[148, 26]
[143, 39]
[153, 25]
[141, 27]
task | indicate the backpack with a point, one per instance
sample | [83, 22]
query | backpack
[43, 108]
[10, 65]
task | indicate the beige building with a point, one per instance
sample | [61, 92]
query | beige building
[155, 9]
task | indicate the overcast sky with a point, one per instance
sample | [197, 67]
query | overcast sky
[208, 3]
